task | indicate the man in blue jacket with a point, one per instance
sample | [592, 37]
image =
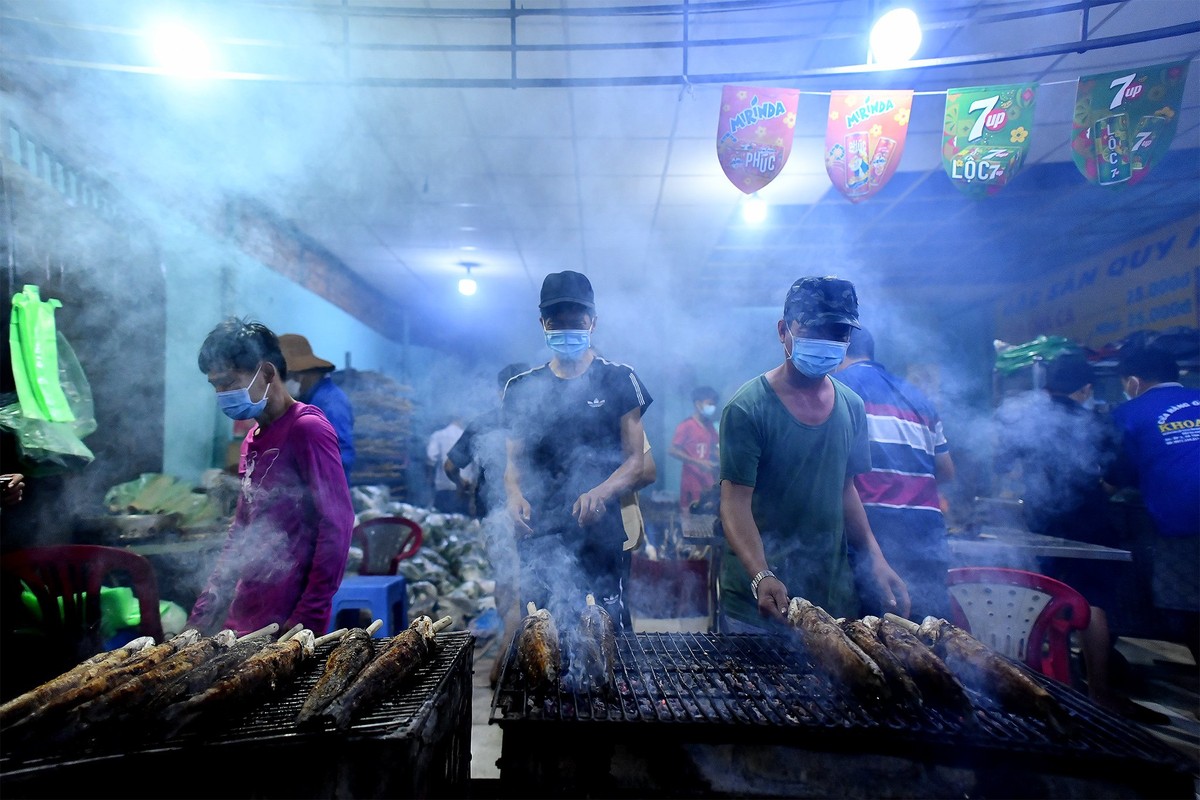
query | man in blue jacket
[309, 382]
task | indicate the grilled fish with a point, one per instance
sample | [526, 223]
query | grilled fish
[57, 706]
[834, 653]
[596, 644]
[42, 694]
[206, 673]
[539, 653]
[128, 699]
[260, 672]
[345, 662]
[935, 680]
[405, 655]
[987, 672]
[904, 689]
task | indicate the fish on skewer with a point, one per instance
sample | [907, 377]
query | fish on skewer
[596, 644]
[352, 654]
[128, 699]
[986, 671]
[261, 672]
[406, 654]
[206, 673]
[25, 704]
[935, 680]
[57, 706]
[904, 689]
[834, 653]
[539, 652]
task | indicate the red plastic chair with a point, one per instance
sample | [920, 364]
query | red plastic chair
[66, 581]
[1023, 615]
[385, 542]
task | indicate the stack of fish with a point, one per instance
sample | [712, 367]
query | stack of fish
[892, 660]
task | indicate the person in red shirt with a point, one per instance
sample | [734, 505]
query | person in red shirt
[695, 444]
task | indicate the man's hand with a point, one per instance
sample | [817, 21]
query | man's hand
[13, 488]
[892, 590]
[772, 598]
[590, 507]
[520, 511]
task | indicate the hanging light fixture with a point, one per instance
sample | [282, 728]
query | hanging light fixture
[895, 36]
[467, 285]
[179, 50]
[754, 209]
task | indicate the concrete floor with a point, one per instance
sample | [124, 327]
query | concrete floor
[1162, 676]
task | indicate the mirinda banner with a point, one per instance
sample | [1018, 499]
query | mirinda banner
[754, 134]
[864, 139]
[1125, 121]
[985, 135]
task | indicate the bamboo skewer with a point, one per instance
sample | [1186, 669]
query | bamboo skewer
[331, 636]
[295, 630]
[264, 631]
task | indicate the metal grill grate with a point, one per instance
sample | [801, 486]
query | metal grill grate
[272, 719]
[711, 681]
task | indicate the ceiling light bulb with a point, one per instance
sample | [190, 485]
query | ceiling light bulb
[896, 36]
[754, 210]
[466, 286]
[180, 51]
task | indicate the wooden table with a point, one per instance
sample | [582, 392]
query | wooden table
[181, 564]
[1021, 549]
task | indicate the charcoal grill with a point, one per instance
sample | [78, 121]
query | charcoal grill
[738, 715]
[414, 743]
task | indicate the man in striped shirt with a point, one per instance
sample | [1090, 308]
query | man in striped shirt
[909, 457]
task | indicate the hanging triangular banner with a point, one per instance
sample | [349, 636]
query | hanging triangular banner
[985, 135]
[1125, 121]
[754, 134]
[864, 139]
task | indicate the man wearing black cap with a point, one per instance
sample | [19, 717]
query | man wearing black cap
[791, 442]
[575, 447]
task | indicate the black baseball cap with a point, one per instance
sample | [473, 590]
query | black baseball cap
[820, 301]
[567, 287]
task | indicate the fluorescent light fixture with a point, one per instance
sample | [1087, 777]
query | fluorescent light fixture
[467, 286]
[895, 36]
[754, 210]
[179, 50]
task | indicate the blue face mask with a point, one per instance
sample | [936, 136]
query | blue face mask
[236, 403]
[571, 344]
[817, 357]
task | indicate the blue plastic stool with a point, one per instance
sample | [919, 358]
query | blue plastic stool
[385, 596]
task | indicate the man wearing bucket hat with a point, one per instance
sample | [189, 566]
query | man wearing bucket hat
[309, 381]
[575, 447]
[791, 442]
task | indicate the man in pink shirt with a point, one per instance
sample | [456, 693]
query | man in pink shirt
[695, 444]
[287, 546]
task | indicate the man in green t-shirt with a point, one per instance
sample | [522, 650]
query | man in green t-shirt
[791, 442]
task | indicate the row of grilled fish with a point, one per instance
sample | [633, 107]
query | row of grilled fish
[592, 642]
[892, 660]
[170, 686]
[355, 676]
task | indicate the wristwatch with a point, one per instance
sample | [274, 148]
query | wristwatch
[766, 573]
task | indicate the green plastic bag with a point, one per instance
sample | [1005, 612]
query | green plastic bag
[1043, 348]
[48, 417]
[118, 609]
[33, 344]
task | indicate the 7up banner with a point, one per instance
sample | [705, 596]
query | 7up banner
[985, 135]
[1125, 121]
[864, 138]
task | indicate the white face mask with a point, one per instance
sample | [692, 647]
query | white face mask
[293, 387]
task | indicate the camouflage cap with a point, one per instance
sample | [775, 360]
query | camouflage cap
[820, 301]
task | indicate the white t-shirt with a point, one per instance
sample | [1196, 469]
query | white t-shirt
[439, 446]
